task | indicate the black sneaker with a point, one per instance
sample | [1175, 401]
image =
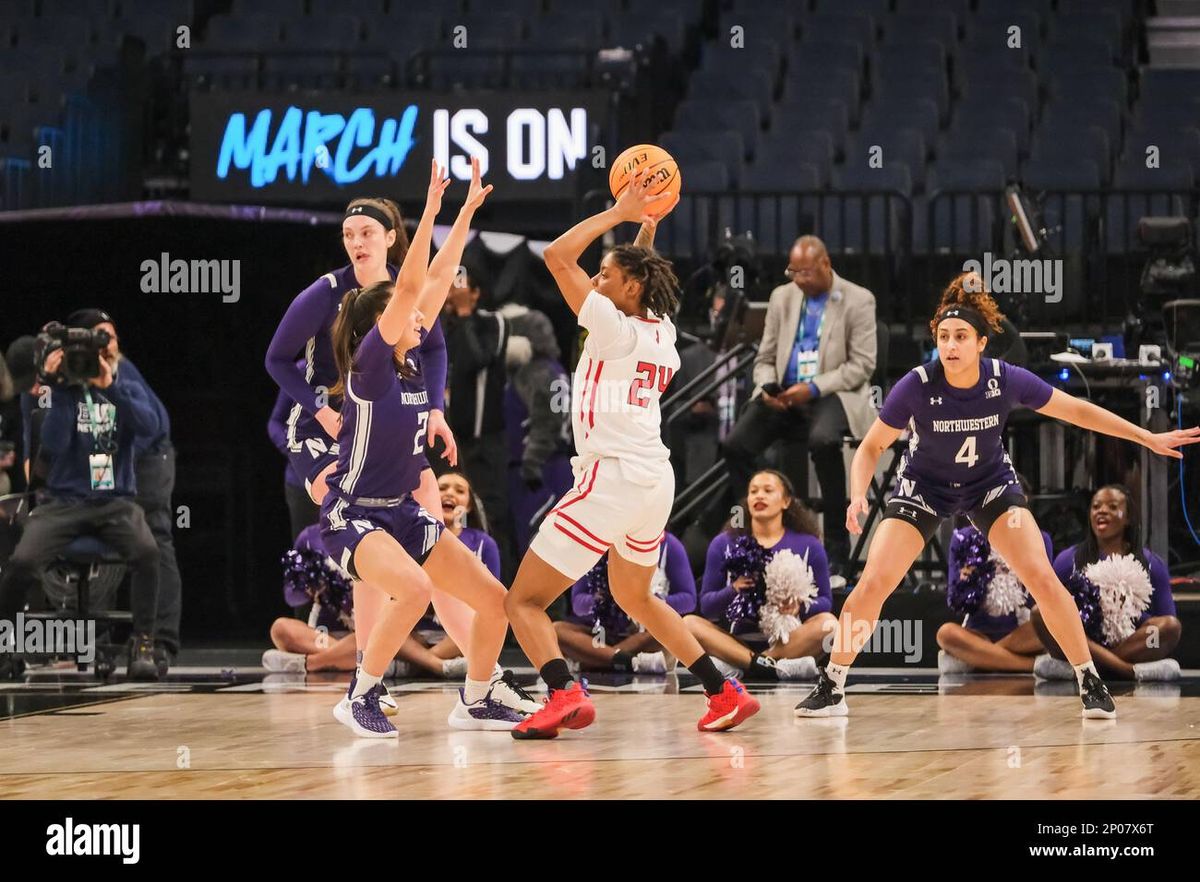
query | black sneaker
[163, 659]
[1097, 703]
[826, 700]
[142, 665]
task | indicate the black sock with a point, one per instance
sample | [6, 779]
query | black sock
[622, 661]
[761, 669]
[704, 668]
[556, 673]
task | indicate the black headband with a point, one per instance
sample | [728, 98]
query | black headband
[972, 317]
[372, 212]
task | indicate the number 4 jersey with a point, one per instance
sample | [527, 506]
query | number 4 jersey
[626, 366]
[956, 451]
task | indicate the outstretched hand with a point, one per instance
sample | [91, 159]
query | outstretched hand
[438, 182]
[477, 193]
[637, 204]
[1164, 443]
[857, 506]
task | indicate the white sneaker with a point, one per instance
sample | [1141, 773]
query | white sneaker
[1047, 667]
[284, 662]
[387, 703]
[802, 668]
[1156, 671]
[952, 664]
[649, 663]
[341, 710]
[727, 670]
[486, 715]
[454, 668]
[505, 690]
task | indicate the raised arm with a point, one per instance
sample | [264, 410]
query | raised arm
[441, 272]
[562, 255]
[645, 236]
[411, 277]
[1086, 415]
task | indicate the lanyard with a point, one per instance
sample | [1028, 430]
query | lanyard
[102, 442]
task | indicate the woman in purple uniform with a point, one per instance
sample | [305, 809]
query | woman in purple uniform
[375, 241]
[956, 462]
[370, 523]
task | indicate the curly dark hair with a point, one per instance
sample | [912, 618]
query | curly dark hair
[969, 289]
[660, 286]
[797, 516]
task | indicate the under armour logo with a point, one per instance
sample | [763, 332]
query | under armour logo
[356, 209]
[936, 400]
[907, 512]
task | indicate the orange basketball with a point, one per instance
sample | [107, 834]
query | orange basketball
[663, 170]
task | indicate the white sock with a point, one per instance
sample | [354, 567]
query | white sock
[475, 690]
[364, 683]
[1080, 670]
[837, 676]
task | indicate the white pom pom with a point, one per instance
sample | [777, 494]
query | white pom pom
[1005, 595]
[790, 582]
[1125, 591]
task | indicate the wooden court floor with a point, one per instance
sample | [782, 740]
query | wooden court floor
[969, 738]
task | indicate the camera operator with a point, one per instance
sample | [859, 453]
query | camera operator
[154, 469]
[91, 420]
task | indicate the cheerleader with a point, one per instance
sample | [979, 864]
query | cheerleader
[370, 522]
[599, 637]
[1132, 630]
[956, 462]
[996, 634]
[739, 594]
[624, 486]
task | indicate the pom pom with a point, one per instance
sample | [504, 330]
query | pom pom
[311, 576]
[608, 617]
[966, 594]
[1125, 589]
[1005, 593]
[1086, 595]
[789, 584]
[745, 557]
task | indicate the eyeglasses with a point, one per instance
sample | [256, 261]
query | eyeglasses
[790, 273]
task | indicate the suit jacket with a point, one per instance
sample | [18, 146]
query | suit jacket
[845, 355]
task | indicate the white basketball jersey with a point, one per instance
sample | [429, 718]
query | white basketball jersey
[626, 366]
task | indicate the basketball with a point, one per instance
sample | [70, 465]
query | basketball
[664, 170]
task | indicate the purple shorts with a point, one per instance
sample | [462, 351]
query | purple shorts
[343, 525]
[312, 457]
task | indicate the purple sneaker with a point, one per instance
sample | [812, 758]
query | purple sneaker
[487, 714]
[367, 718]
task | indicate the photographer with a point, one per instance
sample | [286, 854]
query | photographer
[154, 468]
[91, 422]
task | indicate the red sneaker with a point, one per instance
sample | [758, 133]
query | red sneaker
[569, 708]
[727, 709]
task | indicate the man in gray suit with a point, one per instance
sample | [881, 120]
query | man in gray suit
[810, 381]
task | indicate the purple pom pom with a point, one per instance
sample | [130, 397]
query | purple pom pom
[1087, 597]
[745, 557]
[309, 578]
[966, 595]
[607, 615]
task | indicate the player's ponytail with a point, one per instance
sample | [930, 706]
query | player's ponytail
[660, 286]
[968, 289]
[360, 310]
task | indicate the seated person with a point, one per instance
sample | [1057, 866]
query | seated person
[735, 589]
[599, 636]
[996, 634]
[1130, 647]
[326, 641]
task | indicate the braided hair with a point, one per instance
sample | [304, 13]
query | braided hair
[660, 286]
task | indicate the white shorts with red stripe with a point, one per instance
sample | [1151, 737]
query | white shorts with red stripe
[604, 510]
